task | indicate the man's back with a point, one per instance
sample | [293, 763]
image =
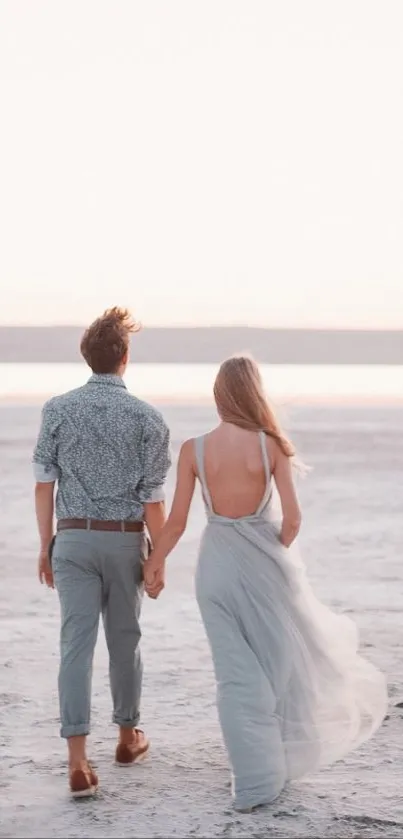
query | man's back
[108, 450]
[108, 453]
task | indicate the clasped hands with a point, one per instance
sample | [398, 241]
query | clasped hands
[154, 577]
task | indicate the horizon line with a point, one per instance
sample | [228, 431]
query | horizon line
[178, 326]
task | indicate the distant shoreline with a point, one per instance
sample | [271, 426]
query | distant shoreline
[209, 345]
[35, 400]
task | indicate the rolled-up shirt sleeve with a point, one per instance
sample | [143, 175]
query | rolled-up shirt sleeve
[45, 464]
[157, 461]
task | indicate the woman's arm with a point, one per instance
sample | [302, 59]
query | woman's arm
[176, 522]
[282, 471]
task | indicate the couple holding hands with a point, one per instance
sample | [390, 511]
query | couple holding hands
[293, 692]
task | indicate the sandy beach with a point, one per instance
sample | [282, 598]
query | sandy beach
[351, 540]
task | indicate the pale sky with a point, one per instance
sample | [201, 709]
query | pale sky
[202, 161]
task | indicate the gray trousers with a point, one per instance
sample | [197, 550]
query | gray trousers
[99, 573]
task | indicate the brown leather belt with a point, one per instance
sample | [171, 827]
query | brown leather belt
[98, 524]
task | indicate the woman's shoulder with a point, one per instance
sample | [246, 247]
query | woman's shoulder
[188, 457]
[187, 448]
[199, 440]
[192, 448]
[273, 449]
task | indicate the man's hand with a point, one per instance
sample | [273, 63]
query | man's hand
[154, 578]
[45, 573]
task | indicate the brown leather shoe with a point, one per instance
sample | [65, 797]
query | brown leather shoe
[135, 752]
[83, 782]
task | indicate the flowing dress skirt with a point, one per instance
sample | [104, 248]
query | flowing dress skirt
[293, 692]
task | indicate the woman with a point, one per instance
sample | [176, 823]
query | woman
[293, 693]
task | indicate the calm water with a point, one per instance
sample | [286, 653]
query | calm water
[182, 381]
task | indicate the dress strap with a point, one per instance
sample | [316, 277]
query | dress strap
[265, 456]
[199, 452]
[266, 464]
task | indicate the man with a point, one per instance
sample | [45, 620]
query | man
[109, 454]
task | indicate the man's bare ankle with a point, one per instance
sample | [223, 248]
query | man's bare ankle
[78, 763]
[127, 735]
[77, 752]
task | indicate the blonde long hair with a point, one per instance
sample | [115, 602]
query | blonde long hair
[240, 400]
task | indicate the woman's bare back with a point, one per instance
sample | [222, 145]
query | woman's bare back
[234, 470]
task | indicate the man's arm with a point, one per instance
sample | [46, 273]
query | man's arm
[44, 508]
[46, 473]
[155, 518]
[157, 461]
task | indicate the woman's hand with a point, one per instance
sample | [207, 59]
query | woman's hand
[154, 577]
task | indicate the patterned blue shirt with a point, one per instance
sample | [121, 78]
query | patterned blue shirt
[108, 451]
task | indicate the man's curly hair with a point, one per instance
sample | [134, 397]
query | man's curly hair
[106, 342]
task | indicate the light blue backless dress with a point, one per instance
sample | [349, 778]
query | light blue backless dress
[293, 693]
